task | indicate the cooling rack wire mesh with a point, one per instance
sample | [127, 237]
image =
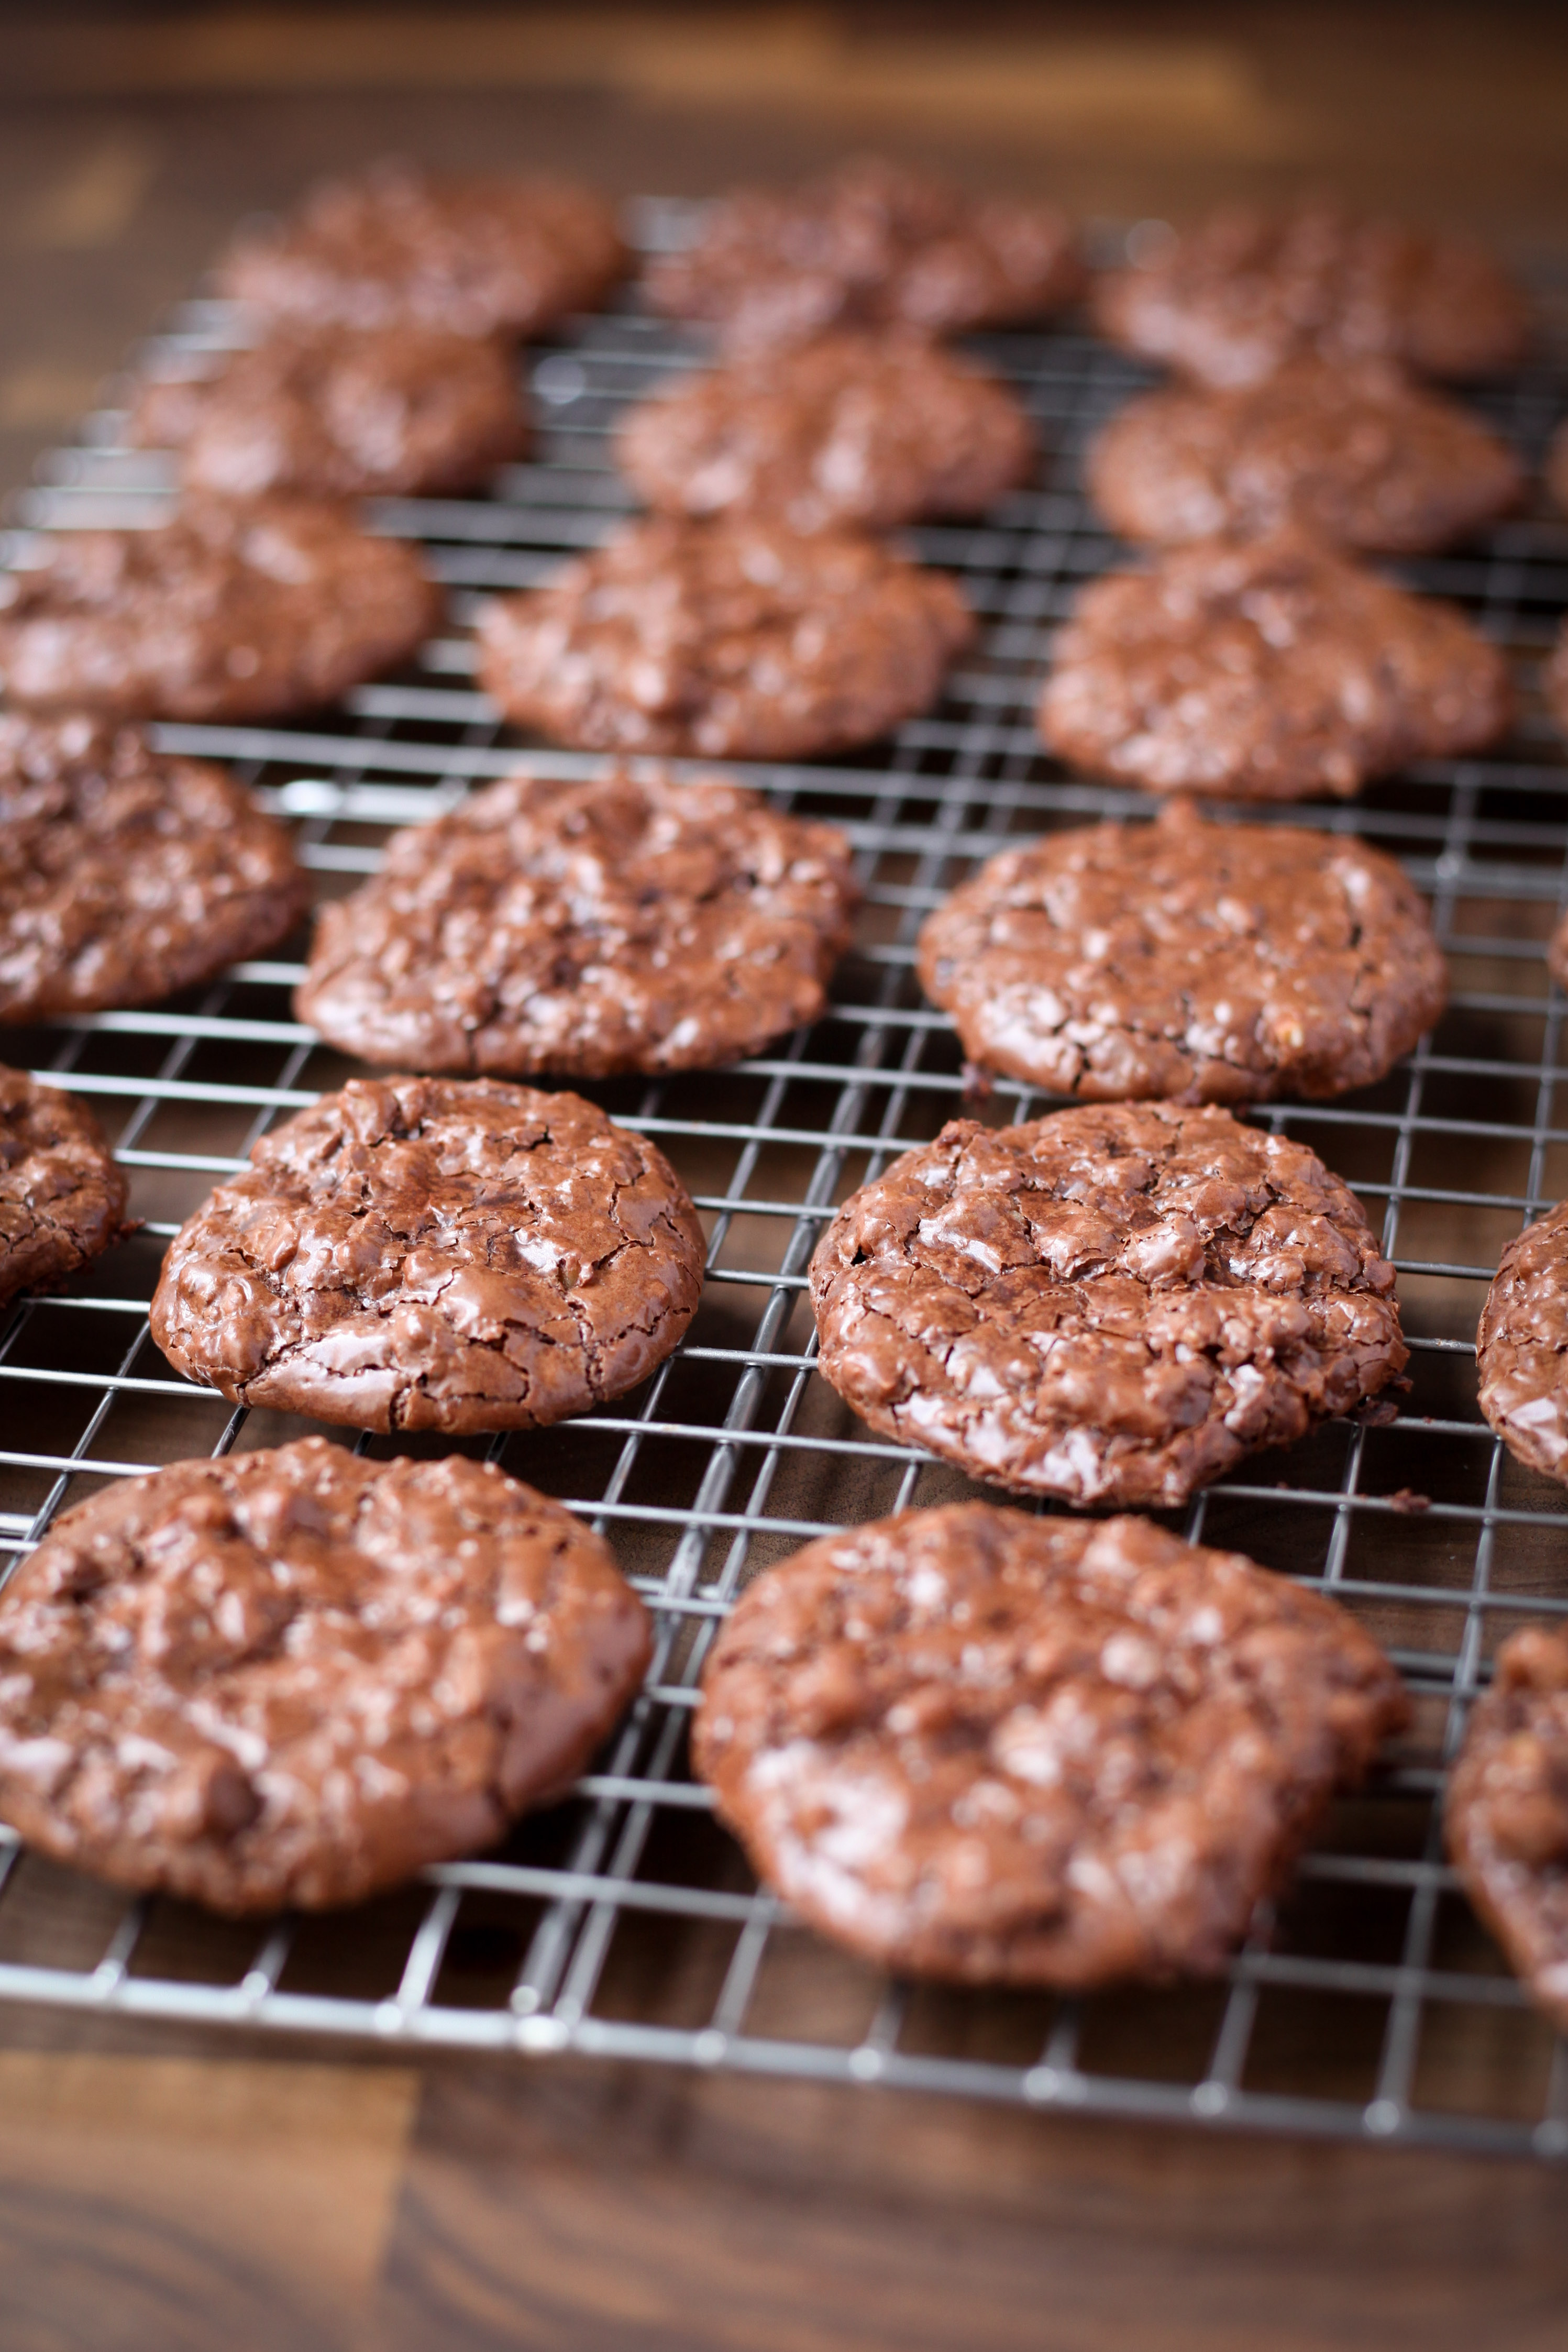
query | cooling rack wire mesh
[624, 1923]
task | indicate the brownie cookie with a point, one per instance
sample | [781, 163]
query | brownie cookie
[1233, 299]
[1355, 455]
[1506, 1812]
[731, 640]
[626, 923]
[867, 245]
[1521, 1345]
[62, 1199]
[340, 414]
[397, 247]
[229, 612]
[973, 1744]
[1112, 1305]
[868, 430]
[1266, 669]
[125, 875]
[296, 1677]
[1209, 963]
[432, 1254]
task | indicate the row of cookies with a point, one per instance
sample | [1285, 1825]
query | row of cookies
[643, 921]
[963, 1741]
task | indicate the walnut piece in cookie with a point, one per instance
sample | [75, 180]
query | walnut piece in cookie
[435, 1254]
[1203, 962]
[864, 430]
[1521, 1345]
[230, 611]
[62, 1198]
[724, 640]
[340, 414]
[126, 875]
[1267, 669]
[973, 1744]
[871, 244]
[1112, 1305]
[1246, 289]
[627, 922]
[397, 247]
[1356, 454]
[1506, 1812]
[296, 1677]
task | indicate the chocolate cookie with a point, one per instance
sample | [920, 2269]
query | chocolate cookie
[435, 1254]
[1521, 1345]
[731, 640]
[1208, 964]
[626, 923]
[1265, 669]
[1111, 1304]
[397, 247]
[125, 876]
[973, 1744]
[868, 430]
[1506, 1813]
[1233, 299]
[867, 245]
[340, 414]
[229, 612]
[296, 1677]
[62, 1199]
[1354, 453]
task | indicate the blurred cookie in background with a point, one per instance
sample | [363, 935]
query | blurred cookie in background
[1266, 669]
[340, 413]
[1232, 298]
[869, 244]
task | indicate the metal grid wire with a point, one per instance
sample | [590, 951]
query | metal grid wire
[623, 1923]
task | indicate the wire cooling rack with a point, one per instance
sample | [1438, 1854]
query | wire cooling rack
[624, 1923]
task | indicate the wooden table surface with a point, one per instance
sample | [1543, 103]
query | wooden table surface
[161, 2190]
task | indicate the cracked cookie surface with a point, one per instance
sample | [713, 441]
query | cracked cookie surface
[871, 244]
[1232, 298]
[868, 431]
[736, 639]
[1506, 1812]
[230, 611]
[340, 414]
[1265, 670]
[1112, 1305]
[435, 1254]
[393, 246]
[62, 1198]
[1521, 1345]
[1202, 962]
[978, 1745]
[297, 1676]
[1355, 454]
[624, 923]
[126, 875]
